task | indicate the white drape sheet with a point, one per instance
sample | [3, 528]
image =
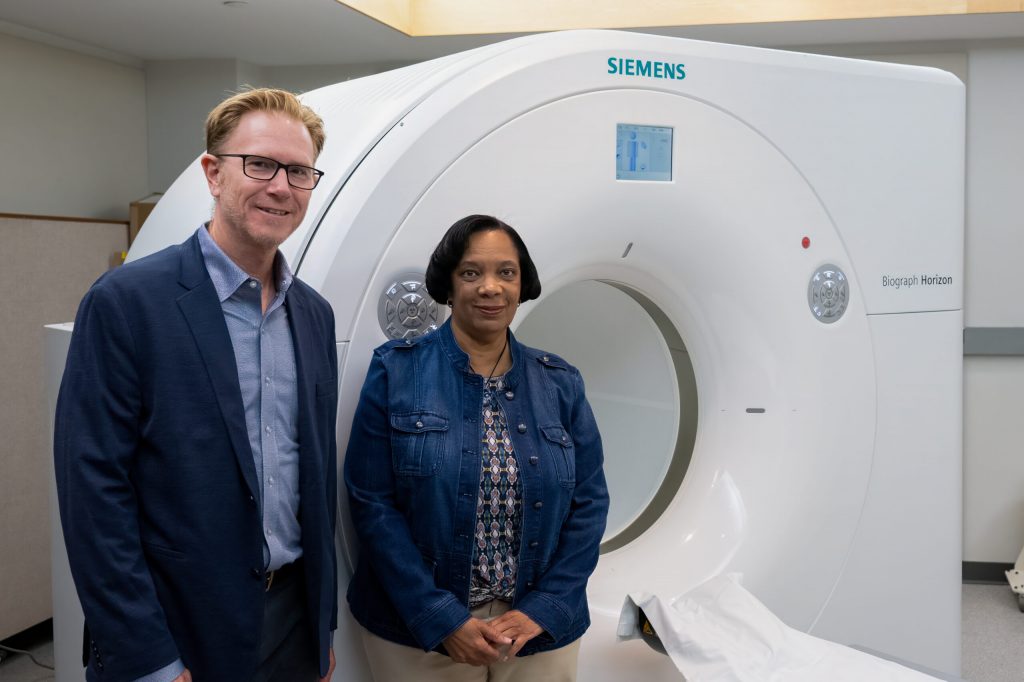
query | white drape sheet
[720, 632]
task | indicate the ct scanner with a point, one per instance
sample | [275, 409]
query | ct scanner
[755, 258]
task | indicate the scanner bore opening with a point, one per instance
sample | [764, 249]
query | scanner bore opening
[640, 384]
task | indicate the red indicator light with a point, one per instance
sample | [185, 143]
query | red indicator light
[806, 242]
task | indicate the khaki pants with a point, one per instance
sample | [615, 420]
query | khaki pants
[392, 662]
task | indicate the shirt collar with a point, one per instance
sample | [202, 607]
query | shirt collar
[227, 276]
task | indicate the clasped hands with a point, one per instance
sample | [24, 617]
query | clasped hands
[482, 642]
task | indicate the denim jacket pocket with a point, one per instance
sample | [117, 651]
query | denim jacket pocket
[417, 442]
[560, 445]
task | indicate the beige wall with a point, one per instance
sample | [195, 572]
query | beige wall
[41, 285]
[72, 132]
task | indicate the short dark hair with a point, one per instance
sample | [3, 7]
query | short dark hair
[450, 249]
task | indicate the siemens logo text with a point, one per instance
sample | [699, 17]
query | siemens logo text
[645, 68]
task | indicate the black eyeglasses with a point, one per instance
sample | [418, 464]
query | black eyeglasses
[262, 168]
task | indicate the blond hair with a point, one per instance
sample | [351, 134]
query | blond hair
[224, 118]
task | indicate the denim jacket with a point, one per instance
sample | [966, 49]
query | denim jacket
[413, 475]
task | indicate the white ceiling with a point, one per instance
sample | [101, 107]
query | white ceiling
[306, 32]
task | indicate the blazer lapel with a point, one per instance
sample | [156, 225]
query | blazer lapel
[201, 308]
[309, 466]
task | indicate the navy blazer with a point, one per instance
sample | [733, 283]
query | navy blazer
[156, 480]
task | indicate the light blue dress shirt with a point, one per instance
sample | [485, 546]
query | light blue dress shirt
[265, 358]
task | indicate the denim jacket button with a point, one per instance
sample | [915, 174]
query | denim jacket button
[521, 428]
[538, 505]
[533, 544]
[419, 425]
[533, 459]
[510, 395]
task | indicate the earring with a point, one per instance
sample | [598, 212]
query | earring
[449, 304]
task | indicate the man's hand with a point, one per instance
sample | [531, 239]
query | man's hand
[475, 643]
[518, 627]
[330, 668]
[184, 677]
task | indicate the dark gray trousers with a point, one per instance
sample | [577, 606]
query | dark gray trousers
[287, 648]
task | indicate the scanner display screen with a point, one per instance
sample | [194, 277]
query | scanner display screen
[643, 152]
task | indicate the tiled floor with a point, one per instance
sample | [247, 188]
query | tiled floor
[993, 641]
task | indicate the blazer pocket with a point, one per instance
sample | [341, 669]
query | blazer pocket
[560, 445]
[149, 547]
[326, 388]
[417, 442]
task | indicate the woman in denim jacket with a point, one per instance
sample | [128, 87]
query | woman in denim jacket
[475, 481]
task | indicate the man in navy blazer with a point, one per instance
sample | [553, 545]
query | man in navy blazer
[195, 432]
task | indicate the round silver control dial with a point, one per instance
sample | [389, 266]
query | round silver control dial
[405, 309]
[828, 293]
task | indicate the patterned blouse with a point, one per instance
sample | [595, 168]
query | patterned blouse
[499, 507]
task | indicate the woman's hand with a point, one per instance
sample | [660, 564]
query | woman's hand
[477, 642]
[518, 627]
